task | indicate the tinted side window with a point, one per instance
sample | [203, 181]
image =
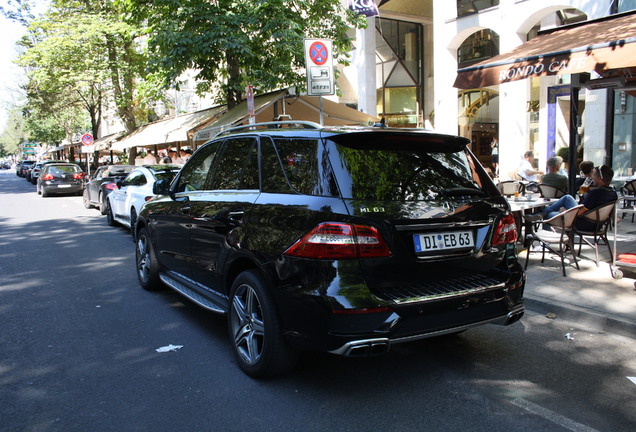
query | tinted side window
[237, 165]
[135, 179]
[195, 173]
[305, 167]
[274, 180]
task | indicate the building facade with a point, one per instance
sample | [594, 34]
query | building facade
[406, 61]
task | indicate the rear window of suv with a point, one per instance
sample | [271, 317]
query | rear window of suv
[406, 175]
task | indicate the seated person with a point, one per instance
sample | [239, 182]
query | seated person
[552, 177]
[526, 171]
[586, 168]
[603, 194]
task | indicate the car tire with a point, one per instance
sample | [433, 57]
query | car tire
[110, 219]
[255, 331]
[103, 201]
[86, 200]
[133, 221]
[146, 262]
[44, 194]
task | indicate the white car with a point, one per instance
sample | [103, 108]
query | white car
[125, 202]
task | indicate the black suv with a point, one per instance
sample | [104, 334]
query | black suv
[345, 240]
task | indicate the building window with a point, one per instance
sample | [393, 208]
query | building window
[399, 71]
[479, 46]
[470, 7]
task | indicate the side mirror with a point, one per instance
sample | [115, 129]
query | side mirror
[119, 184]
[161, 187]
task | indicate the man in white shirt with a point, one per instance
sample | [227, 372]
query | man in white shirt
[184, 155]
[150, 159]
[526, 170]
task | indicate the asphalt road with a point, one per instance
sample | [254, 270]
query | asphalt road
[78, 341]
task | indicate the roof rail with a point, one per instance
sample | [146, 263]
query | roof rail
[272, 125]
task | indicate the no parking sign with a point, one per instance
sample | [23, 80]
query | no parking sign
[319, 62]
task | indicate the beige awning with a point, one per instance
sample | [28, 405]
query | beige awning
[169, 131]
[301, 108]
[598, 45]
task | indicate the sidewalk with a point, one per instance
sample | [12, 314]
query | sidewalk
[590, 297]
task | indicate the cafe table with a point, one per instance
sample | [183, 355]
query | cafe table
[520, 205]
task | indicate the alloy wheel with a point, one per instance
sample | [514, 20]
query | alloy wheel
[247, 324]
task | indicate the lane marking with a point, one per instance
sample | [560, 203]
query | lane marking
[550, 415]
[632, 379]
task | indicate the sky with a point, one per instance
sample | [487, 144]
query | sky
[11, 75]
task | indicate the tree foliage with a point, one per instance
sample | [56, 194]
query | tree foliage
[235, 43]
[13, 134]
[80, 54]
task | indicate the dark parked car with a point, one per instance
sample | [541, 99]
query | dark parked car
[23, 167]
[345, 240]
[60, 178]
[34, 173]
[101, 183]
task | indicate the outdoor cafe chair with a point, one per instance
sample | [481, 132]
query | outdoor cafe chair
[549, 191]
[555, 235]
[601, 217]
[510, 187]
[629, 195]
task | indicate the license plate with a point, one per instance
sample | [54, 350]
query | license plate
[443, 241]
[64, 186]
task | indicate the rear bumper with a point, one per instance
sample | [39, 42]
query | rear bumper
[354, 322]
[368, 347]
[57, 190]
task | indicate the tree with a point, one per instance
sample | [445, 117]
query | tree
[13, 134]
[78, 55]
[235, 43]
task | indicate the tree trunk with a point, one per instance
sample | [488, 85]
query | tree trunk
[233, 83]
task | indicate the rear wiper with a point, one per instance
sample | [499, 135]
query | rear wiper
[462, 191]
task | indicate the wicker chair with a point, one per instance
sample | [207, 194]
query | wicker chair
[601, 217]
[556, 236]
[549, 191]
[510, 187]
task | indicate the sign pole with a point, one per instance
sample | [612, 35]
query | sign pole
[322, 120]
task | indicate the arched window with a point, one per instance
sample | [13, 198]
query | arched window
[479, 46]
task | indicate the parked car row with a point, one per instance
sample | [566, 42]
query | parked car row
[101, 183]
[125, 201]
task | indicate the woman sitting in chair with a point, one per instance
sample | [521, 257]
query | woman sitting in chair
[603, 194]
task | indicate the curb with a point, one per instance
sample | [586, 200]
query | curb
[582, 317]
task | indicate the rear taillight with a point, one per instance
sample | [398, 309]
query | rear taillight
[148, 198]
[47, 177]
[506, 231]
[78, 176]
[110, 186]
[332, 240]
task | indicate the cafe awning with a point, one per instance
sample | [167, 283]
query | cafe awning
[170, 131]
[282, 105]
[600, 45]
